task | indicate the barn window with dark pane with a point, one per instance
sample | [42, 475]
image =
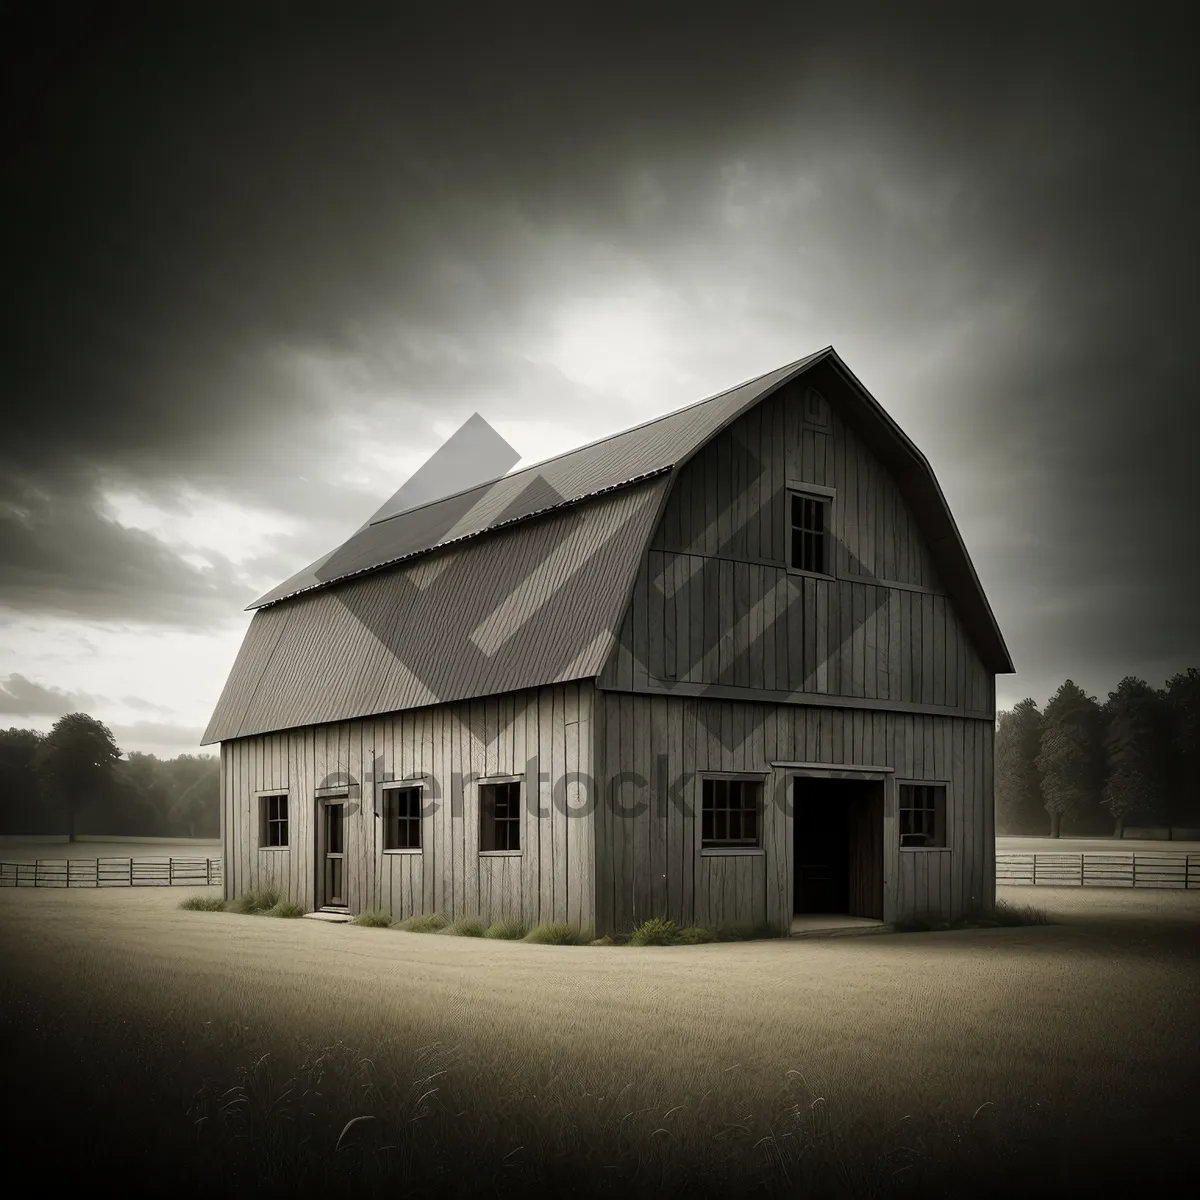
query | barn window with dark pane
[809, 549]
[500, 810]
[815, 410]
[729, 813]
[922, 815]
[402, 818]
[274, 821]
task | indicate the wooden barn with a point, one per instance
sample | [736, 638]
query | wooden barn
[731, 665]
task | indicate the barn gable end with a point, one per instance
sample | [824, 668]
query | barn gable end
[619, 636]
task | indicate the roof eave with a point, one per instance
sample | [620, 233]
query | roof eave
[259, 604]
[1000, 662]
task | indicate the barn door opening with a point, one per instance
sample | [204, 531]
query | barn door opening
[331, 855]
[838, 850]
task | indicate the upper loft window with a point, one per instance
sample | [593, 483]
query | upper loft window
[810, 527]
[816, 410]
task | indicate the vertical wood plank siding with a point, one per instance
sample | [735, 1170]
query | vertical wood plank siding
[714, 605]
[544, 736]
[652, 750]
[872, 667]
[714, 602]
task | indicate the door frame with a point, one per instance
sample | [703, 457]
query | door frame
[322, 903]
[786, 773]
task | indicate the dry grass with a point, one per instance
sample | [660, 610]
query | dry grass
[17, 850]
[1006, 914]
[265, 903]
[794, 1062]
[374, 919]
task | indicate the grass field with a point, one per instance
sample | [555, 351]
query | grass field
[1094, 845]
[29, 851]
[623, 1067]
[19, 851]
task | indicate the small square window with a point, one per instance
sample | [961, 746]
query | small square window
[809, 533]
[816, 411]
[500, 816]
[273, 821]
[402, 818]
[923, 815]
[730, 813]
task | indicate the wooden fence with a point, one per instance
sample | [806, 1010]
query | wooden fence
[111, 872]
[1152, 869]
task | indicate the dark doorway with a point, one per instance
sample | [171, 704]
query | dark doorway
[332, 855]
[838, 849]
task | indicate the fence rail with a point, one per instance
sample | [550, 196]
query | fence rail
[111, 872]
[1152, 869]
[1160, 870]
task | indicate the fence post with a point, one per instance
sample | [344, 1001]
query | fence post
[131, 872]
[170, 872]
[37, 870]
[1134, 857]
[208, 870]
[1081, 870]
[97, 883]
[1035, 870]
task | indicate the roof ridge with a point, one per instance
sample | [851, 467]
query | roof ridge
[607, 437]
[565, 502]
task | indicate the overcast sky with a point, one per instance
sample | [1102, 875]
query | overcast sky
[256, 274]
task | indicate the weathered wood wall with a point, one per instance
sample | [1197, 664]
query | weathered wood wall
[714, 603]
[544, 735]
[648, 857]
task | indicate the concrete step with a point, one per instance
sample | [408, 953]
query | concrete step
[340, 918]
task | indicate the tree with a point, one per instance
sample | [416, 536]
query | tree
[1181, 701]
[1019, 803]
[75, 764]
[1071, 757]
[1136, 746]
[21, 805]
[194, 794]
[140, 802]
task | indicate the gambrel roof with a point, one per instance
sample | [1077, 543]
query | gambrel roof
[522, 581]
[610, 462]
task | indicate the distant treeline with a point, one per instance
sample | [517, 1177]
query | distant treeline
[73, 780]
[1079, 765]
[1097, 767]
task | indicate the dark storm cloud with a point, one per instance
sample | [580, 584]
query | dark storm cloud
[61, 557]
[21, 697]
[188, 207]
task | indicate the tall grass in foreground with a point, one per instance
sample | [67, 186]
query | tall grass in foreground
[340, 1119]
[1004, 914]
[267, 902]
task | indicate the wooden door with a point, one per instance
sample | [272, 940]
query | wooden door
[333, 855]
[866, 851]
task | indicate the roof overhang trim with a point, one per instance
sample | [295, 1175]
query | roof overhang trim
[466, 537]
